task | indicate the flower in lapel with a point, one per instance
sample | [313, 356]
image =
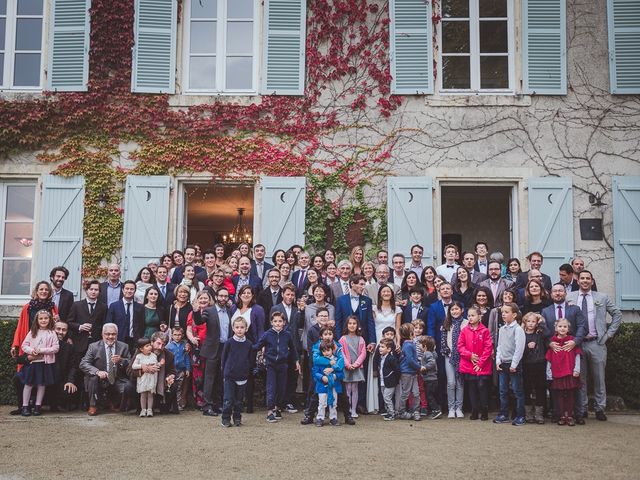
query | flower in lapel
[363, 305]
[597, 303]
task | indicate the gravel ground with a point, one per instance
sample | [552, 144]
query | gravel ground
[190, 446]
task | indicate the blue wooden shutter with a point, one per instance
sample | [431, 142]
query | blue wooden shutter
[282, 212]
[624, 45]
[551, 221]
[410, 216]
[69, 46]
[411, 47]
[626, 241]
[154, 58]
[284, 47]
[60, 237]
[544, 29]
[146, 221]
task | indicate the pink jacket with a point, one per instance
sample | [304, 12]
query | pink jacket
[476, 341]
[362, 352]
[46, 342]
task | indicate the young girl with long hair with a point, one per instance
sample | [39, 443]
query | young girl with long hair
[354, 351]
[451, 328]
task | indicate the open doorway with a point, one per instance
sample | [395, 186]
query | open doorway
[213, 213]
[473, 213]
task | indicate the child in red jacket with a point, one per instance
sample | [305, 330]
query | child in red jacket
[475, 348]
[563, 368]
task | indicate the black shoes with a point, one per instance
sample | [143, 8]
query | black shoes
[25, 412]
[209, 412]
[348, 419]
[600, 415]
[306, 421]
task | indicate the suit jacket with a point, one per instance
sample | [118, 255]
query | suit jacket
[435, 319]
[265, 268]
[182, 316]
[265, 300]
[295, 324]
[476, 267]
[78, 315]
[602, 305]
[65, 364]
[407, 314]
[295, 278]
[64, 304]
[117, 314]
[210, 348]
[254, 282]
[475, 276]
[503, 284]
[371, 291]
[102, 296]
[336, 290]
[523, 278]
[364, 312]
[579, 327]
[96, 359]
[170, 296]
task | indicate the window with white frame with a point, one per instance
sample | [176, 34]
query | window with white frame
[21, 24]
[476, 45]
[220, 46]
[17, 204]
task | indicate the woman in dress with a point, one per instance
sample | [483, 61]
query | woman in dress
[197, 335]
[254, 315]
[190, 280]
[154, 314]
[535, 297]
[463, 289]
[483, 299]
[144, 280]
[356, 258]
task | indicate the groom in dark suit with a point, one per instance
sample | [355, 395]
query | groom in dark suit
[86, 319]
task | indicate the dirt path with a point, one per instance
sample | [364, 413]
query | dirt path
[190, 446]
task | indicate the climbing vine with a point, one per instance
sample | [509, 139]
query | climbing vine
[347, 79]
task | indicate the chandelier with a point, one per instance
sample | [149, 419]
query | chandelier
[240, 232]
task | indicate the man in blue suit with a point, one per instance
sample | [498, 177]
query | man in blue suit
[359, 305]
[128, 315]
[561, 309]
[245, 277]
[435, 319]
[299, 277]
[259, 267]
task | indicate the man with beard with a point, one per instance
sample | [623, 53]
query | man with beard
[62, 298]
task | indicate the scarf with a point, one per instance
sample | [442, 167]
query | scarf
[455, 333]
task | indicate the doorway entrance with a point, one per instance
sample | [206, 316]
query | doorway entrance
[472, 213]
[211, 213]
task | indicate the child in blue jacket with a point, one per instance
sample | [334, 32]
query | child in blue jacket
[328, 385]
[409, 368]
[182, 361]
[278, 347]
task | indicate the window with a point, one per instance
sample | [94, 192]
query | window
[221, 44]
[17, 202]
[21, 44]
[476, 45]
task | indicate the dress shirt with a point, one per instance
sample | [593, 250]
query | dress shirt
[113, 293]
[223, 318]
[56, 297]
[354, 303]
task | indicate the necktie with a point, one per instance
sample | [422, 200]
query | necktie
[274, 297]
[450, 266]
[345, 288]
[91, 307]
[585, 309]
[560, 312]
[163, 290]
[260, 268]
[301, 279]
[111, 371]
[128, 313]
[494, 290]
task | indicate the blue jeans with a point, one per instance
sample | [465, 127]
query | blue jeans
[233, 399]
[506, 379]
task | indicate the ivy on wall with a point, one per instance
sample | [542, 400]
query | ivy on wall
[348, 81]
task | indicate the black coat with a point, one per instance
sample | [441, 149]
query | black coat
[64, 304]
[78, 315]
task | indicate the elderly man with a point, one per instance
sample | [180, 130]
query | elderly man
[382, 277]
[341, 286]
[105, 369]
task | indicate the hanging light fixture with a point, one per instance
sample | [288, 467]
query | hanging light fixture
[240, 232]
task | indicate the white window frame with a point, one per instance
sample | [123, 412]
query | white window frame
[10, 50]
[221, 53]
[4, 183]
[474, 46]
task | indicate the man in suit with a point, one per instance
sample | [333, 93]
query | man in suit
[258, 266]
[577, 263]
[495, 283]
[475, 276]
[382, 277]
[272, 295]
[105, 369]
[300, 276]
[294, 319]
[62, 393]
[416, 260]
[341, 287]
[482, 264]
[414, 310]
[245, 277]
[189, 258]
[218, 320]
[398, 273]
[61, 297]
[435, 318]
[356, 303]
[127, 315]
[595, 306]
[111, 289]
[166, 288]
[86, 319]
[535, 263]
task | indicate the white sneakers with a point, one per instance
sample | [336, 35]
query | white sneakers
[455, 413]
[459, 413]
[452, 413]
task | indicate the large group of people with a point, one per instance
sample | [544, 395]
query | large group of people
[217, 329]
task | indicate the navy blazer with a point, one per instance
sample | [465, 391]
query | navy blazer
[435, 319]
[64, 304]
[423, 314]
[170, 296]
[254, 270]
[294, 279]
[573, 313]
[364, 312]
[118, 315]
[254, 282]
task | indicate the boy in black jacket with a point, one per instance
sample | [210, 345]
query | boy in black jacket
[235, 370]
[389, 375]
